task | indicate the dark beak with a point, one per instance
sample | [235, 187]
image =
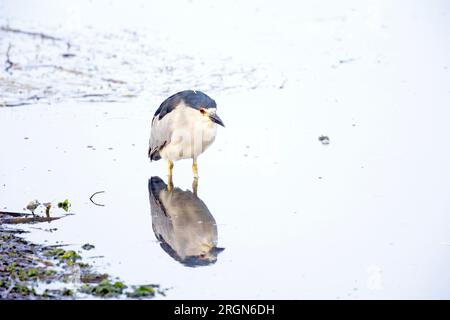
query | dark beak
[215, 118]
[218, 250]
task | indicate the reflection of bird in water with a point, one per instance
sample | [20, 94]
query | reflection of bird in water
[183, 224]
[184, 125]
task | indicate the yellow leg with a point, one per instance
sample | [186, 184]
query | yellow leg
[195, 186]
[195, 169]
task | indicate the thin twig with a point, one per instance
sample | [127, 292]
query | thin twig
[59, 245]
[13, 231]
[97, 204]
[113, 80]
[15, 214]
[9, 63]
[30, 33]
[93, 95]
[14, 104]
[27, 220]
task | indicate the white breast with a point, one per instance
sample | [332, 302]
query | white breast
[191, 134]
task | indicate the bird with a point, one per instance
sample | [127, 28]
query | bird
[183, 127]
[183, 225]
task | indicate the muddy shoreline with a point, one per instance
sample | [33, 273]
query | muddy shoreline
[34, 272]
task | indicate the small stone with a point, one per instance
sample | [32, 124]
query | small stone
[324, 139]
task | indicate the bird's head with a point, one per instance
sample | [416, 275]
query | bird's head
[210, 114]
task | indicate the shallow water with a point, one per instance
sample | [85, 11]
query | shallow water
[365, 216]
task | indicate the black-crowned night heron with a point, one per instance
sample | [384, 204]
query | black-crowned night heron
[183, 225]
[184, 125]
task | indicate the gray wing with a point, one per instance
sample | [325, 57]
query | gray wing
[161, 128]
[159, 137]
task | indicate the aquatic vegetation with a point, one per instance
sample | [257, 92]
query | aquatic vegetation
[54, 252]
[24, 265]
[93, 277]
[142, 291]
[49, 272]
[105, 288]
[70, 256]
[65, 205]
